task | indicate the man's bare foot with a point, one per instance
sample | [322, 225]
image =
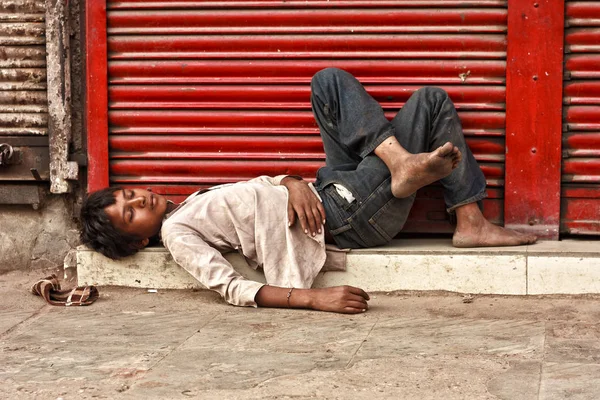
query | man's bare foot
[413, 171]
[473, 230]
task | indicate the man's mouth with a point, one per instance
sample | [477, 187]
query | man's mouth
[151, 201]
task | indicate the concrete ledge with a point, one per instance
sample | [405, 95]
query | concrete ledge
[566, 267]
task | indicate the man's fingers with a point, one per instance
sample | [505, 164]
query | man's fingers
[307, 220]
[360, 292]
[317, 218]
[352, 310]
[291, 215]
[356, 297]
[322, 212]
[302, 219]
[304, 205]
[357, 304]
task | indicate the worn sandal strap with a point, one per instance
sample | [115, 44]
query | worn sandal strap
[51, 282]
[49, 289]
[82, 296]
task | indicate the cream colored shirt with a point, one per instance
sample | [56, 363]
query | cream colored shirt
[249, 217]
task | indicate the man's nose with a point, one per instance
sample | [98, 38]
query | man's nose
[138, 201]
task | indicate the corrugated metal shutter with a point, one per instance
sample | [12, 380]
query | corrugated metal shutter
[23, 99]
[580, 208]
[23, 108]
[202, 93]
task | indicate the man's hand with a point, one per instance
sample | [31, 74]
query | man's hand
[341, 299]
[304, 204]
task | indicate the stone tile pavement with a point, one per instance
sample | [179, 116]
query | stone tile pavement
[132, 344]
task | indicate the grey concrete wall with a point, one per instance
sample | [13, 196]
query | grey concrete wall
[37, 239]
[41, 238]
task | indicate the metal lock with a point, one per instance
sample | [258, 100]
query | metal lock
[6, 153]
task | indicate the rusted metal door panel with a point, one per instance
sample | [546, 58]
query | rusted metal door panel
[23, 104]
[201, 93]
[580, 194]
[23, 99]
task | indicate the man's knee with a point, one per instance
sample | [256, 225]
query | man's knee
[327, 75]
[432, 93]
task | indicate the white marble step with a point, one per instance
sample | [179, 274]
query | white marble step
[565, 267]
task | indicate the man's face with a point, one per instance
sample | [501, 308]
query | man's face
[137, 212]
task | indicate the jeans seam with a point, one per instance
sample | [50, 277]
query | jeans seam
[386, 134]
[376, 226]
[334, 208]
[470, 200]
[362, 206]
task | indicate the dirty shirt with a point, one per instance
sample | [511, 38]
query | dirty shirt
[251, 218]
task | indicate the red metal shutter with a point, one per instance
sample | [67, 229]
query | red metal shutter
[207, 92]
[580, 208]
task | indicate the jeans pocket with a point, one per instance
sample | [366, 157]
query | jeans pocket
[339, 201]
[339, 219]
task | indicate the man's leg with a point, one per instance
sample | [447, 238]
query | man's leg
[473, 230]
[429, 120]
[353, 126]
[351, 122]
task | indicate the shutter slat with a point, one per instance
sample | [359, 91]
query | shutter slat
[307, 46]
[283, 96]
[200, 121]
[278, 4]
[185, 71]
[384, 20]
[262, 147]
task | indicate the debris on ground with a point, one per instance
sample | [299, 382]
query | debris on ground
[468, 298]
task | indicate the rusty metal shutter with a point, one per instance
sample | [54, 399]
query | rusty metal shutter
[580, 204]
[202, 93]
[23, 99]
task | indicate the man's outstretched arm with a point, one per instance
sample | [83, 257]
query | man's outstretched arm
[341, 299]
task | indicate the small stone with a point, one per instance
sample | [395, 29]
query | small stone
[123, 388]
[467, 298]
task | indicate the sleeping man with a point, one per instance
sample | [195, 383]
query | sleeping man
[361, 198]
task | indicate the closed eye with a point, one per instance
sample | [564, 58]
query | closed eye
[130, 214]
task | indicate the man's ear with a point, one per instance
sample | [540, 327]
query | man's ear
[141, 244]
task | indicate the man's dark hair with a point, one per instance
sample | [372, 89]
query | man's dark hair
[98, 232]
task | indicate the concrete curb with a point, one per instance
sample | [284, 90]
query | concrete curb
[566, 267]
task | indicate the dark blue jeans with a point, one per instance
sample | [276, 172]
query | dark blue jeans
[352, 125]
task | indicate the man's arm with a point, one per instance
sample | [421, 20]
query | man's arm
[341, 299]
[208, 265]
